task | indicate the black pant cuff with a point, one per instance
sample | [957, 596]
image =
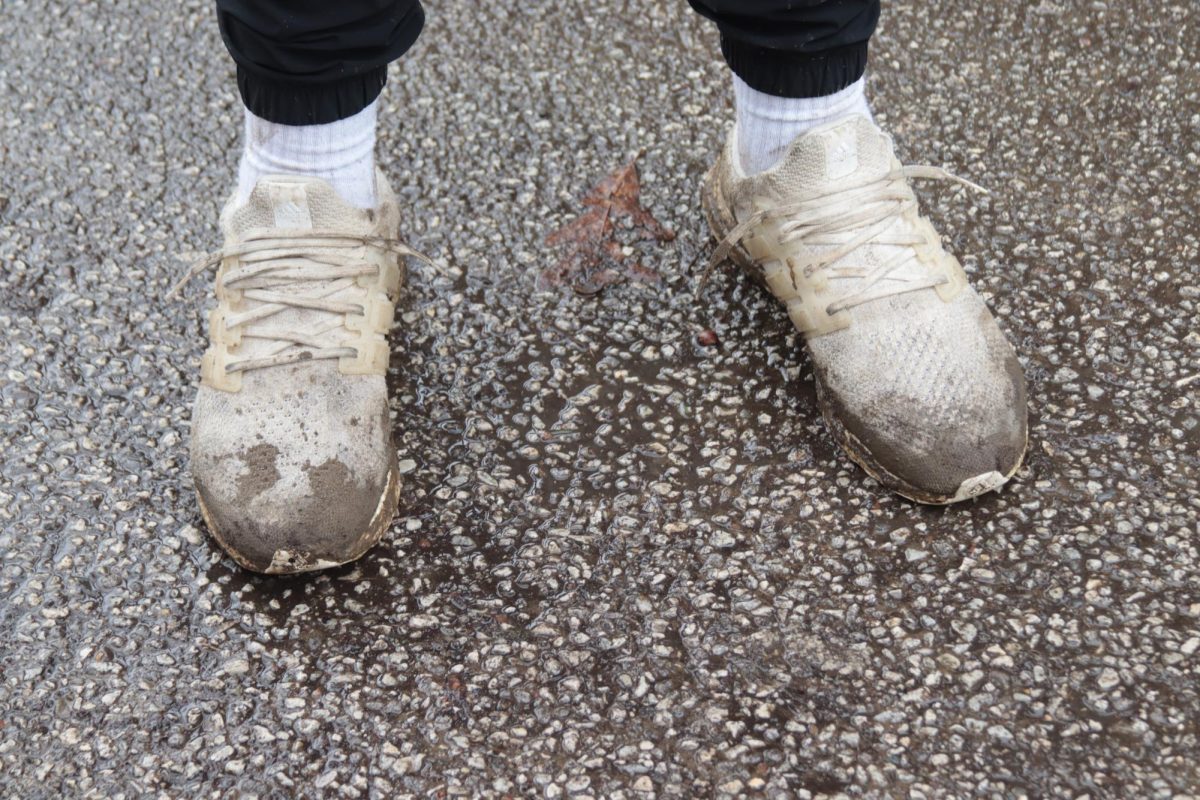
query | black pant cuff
[785, 73]
[290, 103]
[317, 102]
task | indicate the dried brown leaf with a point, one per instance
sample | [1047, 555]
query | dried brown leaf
[594, 256]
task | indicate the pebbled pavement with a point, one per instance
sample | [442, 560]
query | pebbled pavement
[630, 562]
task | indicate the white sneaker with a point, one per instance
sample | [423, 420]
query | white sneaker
[914, 378]
[292, 450]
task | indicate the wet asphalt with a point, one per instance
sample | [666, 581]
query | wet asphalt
[627, 564]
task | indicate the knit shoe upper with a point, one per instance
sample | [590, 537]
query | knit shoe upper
[292, 450]
[914, 377]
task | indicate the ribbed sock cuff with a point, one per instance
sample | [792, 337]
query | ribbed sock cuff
[341, 152]
[767, 124]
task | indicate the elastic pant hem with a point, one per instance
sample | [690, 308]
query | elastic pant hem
[307, 102]
[786, 73]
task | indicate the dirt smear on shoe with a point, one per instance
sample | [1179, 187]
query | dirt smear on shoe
[261, 472]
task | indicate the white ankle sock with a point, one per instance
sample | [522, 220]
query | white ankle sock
[767, 125]
[341, 152]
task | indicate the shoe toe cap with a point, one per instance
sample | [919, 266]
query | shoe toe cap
[971, 459]
[920, 458]
[292, 488]
[936, 434]
[327, 516]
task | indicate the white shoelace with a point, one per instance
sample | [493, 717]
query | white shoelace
[850, 217]
[269, 263]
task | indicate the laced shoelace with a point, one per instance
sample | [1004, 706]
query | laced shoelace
[862, 214]
[269, 263]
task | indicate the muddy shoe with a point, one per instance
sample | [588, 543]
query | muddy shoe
[292, 450]
[914, 378]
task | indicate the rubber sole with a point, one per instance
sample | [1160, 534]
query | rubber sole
[287, 562]
[720, 222]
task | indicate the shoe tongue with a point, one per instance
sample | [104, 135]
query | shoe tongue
[821, 159]
[295, 203]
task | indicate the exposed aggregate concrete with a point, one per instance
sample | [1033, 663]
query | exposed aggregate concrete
[628, 564]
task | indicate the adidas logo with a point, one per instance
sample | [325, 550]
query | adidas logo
[841, 155]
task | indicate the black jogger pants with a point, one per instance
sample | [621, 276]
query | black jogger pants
[303, 62]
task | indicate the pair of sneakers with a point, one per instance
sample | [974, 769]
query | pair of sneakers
[292, 454]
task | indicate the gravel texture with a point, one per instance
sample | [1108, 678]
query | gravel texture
[629, 562]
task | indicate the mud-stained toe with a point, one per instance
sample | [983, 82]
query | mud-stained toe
[335, 520]
[292, 487]
[927, 459]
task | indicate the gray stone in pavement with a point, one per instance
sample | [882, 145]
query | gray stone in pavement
[626, 565]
